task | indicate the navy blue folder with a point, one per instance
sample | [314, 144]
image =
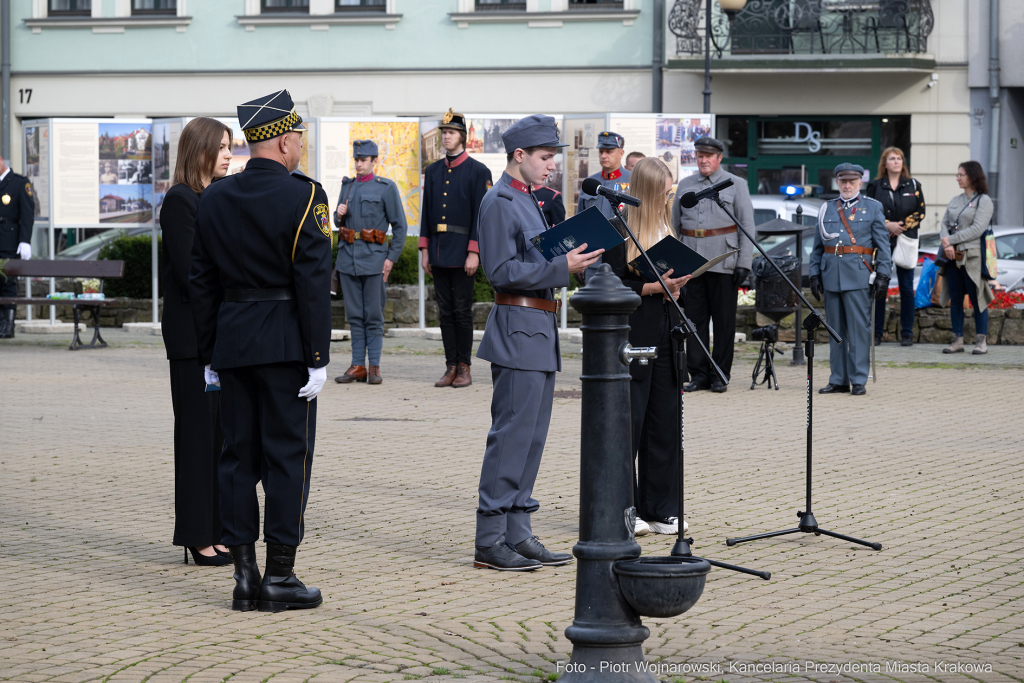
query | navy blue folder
[671, 253]
[589, 227]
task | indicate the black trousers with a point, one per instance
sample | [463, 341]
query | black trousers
[711, 298]
[655, 424]
[198, 441]
[269, 434]
[453, 290]
[8, 287]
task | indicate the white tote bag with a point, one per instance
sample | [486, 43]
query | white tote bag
[905, 253]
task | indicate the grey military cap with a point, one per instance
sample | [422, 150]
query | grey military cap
[609, 140]
[708, 144]
[849, 170]
[364, 148]
[537, 130]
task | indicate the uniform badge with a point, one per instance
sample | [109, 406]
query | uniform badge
[323, 216]
[447, 116]
[623, 186]
[28, 189]
[6, 199]
[488, 184]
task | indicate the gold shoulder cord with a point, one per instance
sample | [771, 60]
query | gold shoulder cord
[312, 191]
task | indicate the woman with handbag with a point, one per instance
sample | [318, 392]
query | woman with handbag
[963, 232]
[204, 152]
[903, 203]
[653, 388]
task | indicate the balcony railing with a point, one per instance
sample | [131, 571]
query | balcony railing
[805, 27]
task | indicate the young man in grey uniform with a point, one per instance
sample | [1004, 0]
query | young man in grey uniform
[850, 243]
[709, 231]
[366, 206]
[521, 342]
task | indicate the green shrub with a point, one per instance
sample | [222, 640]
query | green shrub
[136, 252]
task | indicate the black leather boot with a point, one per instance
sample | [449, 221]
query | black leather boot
[281, 589]
[247, 577]
[6, 324]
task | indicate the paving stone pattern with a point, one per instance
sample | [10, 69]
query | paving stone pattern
[928, 464]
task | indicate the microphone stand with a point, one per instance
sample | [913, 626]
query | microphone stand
[680, 333]
[808, 524]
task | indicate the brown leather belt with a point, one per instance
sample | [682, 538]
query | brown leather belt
[708, 233]
[350, 236]
[840, 249]
[527, 302]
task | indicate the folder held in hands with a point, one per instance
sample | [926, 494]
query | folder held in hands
[672, 254]
[589, 227]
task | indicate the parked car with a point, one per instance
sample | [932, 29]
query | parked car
[89, 249]
[768, 207]
[1009, 254]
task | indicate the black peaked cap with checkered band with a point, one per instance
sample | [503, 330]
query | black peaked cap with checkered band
[269, 116]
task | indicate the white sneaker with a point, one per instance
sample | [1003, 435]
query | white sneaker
[642, 528]
[670, 527]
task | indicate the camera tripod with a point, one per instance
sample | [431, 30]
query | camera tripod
[680, 333]
[767, 356]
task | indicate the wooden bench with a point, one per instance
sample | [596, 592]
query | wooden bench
[69, 268]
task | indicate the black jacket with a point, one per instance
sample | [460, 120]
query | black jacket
[905, 203]
[452, 192]
[178, 224]
[262, 228]
[17, 214]
[646, 322]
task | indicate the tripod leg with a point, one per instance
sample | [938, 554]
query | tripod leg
[757, 368]
[851, 539]
[770, 534]
[774, 376]
[742, 570]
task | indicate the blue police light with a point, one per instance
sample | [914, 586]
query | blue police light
[793, 190]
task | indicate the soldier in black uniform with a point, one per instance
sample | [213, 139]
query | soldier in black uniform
[551, 204]
[453, 188]
[17, 215]
[260, 293]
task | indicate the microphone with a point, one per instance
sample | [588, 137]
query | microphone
[690, 199]
[592, 186]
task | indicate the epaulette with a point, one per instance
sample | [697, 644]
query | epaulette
[871, 199]
[382, 181]
[302, 176]
[346, 180]
[506, 193]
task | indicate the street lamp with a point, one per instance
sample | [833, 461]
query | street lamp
[731, 8]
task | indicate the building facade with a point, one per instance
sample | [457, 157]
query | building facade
[798, 85]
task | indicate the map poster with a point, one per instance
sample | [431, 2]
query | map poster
[37, 166]
[669, 137]
[581, 159]
[399, 146]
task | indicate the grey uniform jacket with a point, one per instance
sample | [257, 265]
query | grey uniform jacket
[844, 272]
[517, 337]
[708, 215]
[619, 184]
[372, 205]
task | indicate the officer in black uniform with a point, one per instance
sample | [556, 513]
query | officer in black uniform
[17, 215]
[550, 203]
[260, 292]
[453, 188]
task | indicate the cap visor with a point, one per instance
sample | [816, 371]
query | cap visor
[298, 126]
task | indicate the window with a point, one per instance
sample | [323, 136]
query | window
[284, 6]
[70, 8]
[1010, 247]
[500, 5]
[360, 5]
[155, 7]
[595, 4]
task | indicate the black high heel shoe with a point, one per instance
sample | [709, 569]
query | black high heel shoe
[201, 560]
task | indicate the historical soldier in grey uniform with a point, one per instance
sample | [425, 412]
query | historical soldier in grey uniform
[366, 206]
[709, 231]
[521, 342]
[612, 174]
[850, 243]
[259, 287]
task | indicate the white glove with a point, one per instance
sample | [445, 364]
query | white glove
[317, 377]
[25, 251]
[211, 376]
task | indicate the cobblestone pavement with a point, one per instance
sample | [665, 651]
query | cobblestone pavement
[928, 464]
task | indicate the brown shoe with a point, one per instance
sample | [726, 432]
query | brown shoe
[462, 378]
[449, 377]
[373, 374]
[355, 373]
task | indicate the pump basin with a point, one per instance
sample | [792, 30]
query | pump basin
[662, 586]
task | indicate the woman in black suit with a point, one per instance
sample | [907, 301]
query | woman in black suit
[653, 387]
[204, 152]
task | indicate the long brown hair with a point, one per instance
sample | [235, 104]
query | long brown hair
[976, 174]
[647, 183]
[883, 172]
[198, 149]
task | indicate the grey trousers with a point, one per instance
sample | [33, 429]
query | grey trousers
[520, 414]
[848, 313]
[364, 310]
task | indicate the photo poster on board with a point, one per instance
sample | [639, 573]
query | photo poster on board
[398, 145]
[37, 165]
[165, 152]
[581, 160]
[125, 172]
[669, 137]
